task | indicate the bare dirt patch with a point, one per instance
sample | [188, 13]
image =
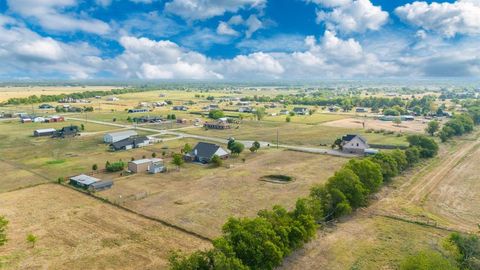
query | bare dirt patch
[78, 232]
[416, 126]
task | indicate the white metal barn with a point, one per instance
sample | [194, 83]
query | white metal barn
[118, 136]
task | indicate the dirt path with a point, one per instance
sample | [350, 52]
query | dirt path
[442, 192]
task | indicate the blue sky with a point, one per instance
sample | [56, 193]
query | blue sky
[222, 40]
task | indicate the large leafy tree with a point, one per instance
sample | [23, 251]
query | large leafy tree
[346, 181]
[428, 147]
[387, 164]
[253, 241]
[369, 173]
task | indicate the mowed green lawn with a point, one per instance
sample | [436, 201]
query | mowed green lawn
[294, 133]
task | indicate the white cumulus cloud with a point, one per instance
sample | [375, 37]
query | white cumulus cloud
[49, 14]
[448, 19]
[204, 9]
[351, 16]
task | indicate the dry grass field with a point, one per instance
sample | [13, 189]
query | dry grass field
[14, 177]
[443, 192]
[201, 198]
[365, 243]
[78, 232]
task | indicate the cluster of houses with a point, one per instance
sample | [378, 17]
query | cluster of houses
[221, 123]
[73, 100]
[39, 119]
[125, 140]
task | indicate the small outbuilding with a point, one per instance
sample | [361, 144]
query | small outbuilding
[90, 183]
[130, 143]
[118, 136]
[44, 132]
[143, 165]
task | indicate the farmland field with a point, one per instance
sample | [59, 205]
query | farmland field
[201, 198]
[25, 91]
[78, 232]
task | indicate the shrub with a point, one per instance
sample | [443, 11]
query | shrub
[427, 260]
[216, 161]
[115, 167]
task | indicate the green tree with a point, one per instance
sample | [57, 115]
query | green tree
[82, 127]
[369, 173]
[187, 148]
[413, 155]
[388, 165]
[253, 241]
[237, 148]
[288, 119]
[397, 121]
[216, 114]
[154, 155]
[428, 147]
[212, 259]
[468, 249]
[255, 146]
[216, 161]
[433, 127]
[400, 158]
[3, 230]
[32, 239]
[349, 184]
[260, 113]
[334, 203]
[177, 160]
[427, 260]
[94, 167]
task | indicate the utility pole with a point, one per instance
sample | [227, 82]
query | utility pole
[277, 138]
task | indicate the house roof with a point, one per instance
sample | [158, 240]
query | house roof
[101, 184]
[299, 109]
[45, 130]
[129, 141]
[204, 149]
[350, 137]
[84, 179]
[147, 160]
[123, 133]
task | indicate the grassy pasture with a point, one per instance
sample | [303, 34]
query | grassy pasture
[294, 133]
[201, 198]
[78, 232]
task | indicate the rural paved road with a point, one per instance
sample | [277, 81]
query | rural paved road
[247, 143]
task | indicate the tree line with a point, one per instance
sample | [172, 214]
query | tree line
[82, 95]
[264, 241]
